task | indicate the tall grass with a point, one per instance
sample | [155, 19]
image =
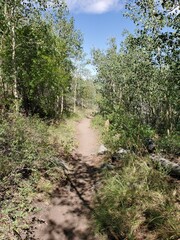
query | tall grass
[32, 154]
[30, 164]
[23, 141]
[137, 202]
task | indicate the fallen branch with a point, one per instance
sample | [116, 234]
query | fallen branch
[172, 168]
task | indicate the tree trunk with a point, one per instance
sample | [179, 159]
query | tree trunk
[1, 78]
[62, 102]
[3, 86]
[15, 91]
[75, 94]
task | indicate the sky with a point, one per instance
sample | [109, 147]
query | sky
[97, 29]
[98, 21]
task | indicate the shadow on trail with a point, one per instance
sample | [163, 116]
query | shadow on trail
[69, 216]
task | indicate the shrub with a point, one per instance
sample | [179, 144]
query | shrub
[127, 131]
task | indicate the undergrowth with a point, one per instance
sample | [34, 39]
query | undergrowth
[170, 144]
[30, 165]
[125, 131]
[137, 202]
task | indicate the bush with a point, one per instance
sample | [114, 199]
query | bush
[127, 131]
[98, 121]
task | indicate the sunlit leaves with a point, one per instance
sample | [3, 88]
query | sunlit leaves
[45, 42]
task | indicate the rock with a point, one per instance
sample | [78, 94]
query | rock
[171, 167]
[122, 151]
[150, 145]
[119, 154]
[102, 150]
[107, 166]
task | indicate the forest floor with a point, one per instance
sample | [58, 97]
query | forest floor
[68, 215]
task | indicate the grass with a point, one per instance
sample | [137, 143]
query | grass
[14, 210]
[98, 123]
[64, 133]
[137, 202]
[170, 144]
[31, 153]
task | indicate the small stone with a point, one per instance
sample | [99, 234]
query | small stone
[102, 150]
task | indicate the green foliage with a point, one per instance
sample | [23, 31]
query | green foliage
[37, 47]
[98, 122]
[127, 131]
[137, 200]
[30, 164]
[64, 134]
[170, 144]
[24, 142]
[15, 209]
[139, 88]
[142, 77]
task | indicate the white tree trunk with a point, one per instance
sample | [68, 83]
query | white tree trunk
[62, 102]
[13, 35]
[75, 94]
[15, 91]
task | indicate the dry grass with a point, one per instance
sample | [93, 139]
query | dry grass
[138, 201]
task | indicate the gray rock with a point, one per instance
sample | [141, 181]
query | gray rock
[119, 154]
[107, 166]
[102, 150]
[172, 168]
[122, 151]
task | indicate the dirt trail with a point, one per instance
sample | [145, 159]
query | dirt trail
[87, 138]
[68, 217]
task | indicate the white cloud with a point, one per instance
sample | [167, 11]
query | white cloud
[94, 6]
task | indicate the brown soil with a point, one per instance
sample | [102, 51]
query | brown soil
[87, 138]
[69, 215]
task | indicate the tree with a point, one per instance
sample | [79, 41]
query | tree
[36, 58]
[158, 24]
[83, 85]
[142, 77]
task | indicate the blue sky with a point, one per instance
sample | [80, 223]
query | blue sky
[99, 20]
[98, 28]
